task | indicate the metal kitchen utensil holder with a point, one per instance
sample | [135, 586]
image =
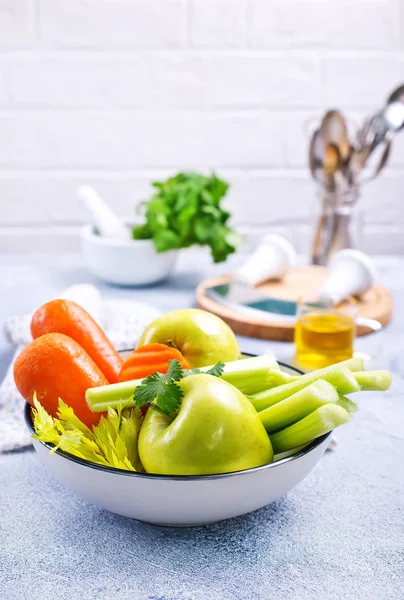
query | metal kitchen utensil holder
[339, 175]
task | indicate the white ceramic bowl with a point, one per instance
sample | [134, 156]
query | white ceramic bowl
[125, 262]
[180, 500]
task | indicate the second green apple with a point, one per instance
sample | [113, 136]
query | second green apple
[216, 430]
[202, 338]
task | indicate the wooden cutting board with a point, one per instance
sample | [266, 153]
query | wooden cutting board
[300, 282]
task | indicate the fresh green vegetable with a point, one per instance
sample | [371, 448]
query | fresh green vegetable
[161, 388]
[186, 210]
[348, 405]
[159, 391]
[163, 392]
[299, 405]
[113, 442]
[276, 377]
[379, 381]
[353, 364]
[321, 421]
[249, 375]
[191, 408]
[216, 370]
[100, 398]
[338, 375]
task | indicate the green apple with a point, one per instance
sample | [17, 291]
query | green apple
[202, 338]
[216, 430]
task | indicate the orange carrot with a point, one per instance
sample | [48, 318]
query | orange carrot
[149, 359]
[55, 366]
[65, 316]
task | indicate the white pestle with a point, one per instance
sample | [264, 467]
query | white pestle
[271, 260]
[107, 223]
[350, 273]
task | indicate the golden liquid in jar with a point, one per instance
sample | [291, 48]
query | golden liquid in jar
[324, 339]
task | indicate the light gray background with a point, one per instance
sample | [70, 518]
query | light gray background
[337, 535]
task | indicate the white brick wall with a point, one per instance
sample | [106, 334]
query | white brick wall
[113, 24]
[118, 93]
[17, 24]
[320, 24]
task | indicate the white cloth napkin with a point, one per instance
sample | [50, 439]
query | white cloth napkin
[123, 321]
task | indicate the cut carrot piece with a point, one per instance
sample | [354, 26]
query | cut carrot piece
[149, 359]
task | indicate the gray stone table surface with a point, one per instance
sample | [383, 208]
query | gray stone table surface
[337, 535]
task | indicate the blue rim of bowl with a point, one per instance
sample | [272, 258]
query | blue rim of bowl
[154, 476]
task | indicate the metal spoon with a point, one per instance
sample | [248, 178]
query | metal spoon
[333, 167]
[316, 163]
[396, 95]
[324, 159]
[333, 130]
[388, 119]
[384, 159]
[382, 162]
[316, 157]
[376, 131]
[394, 116]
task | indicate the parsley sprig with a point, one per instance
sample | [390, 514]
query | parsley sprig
[185, 210]
[162, 392]
[216, 370]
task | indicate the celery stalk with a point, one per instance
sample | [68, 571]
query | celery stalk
[277, 377]
[249, 375]
[321, 421]
[338, 375]
[353, 364]
[346, 403]
[299, 405]
[99, 399]
[379, 381]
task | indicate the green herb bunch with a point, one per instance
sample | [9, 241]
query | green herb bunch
[185, 211]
